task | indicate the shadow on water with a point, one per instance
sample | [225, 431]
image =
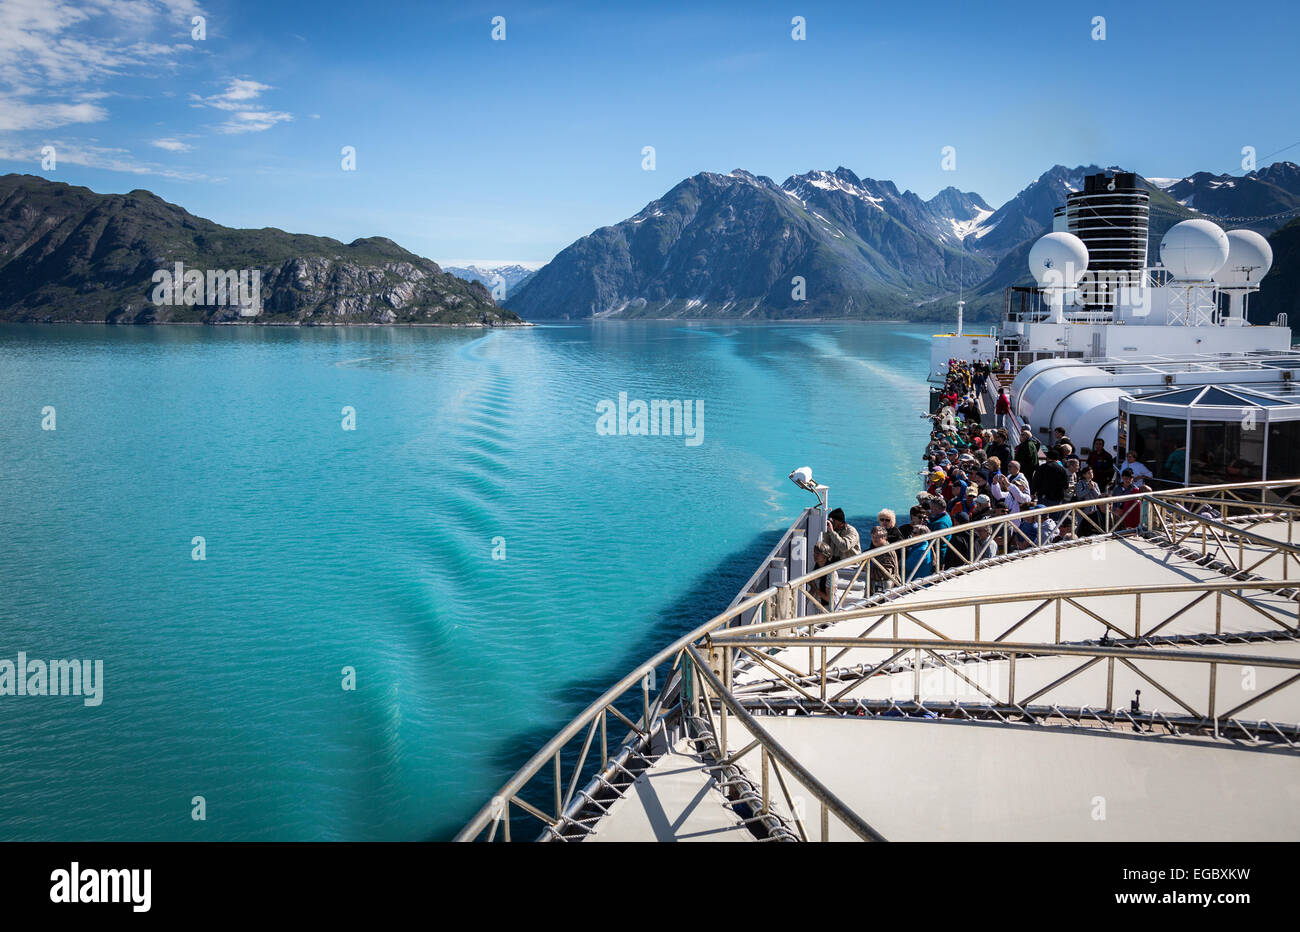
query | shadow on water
[710, 595]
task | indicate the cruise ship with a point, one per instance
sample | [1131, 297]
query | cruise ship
[1137, 683]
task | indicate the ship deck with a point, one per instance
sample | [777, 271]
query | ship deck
[1142, 684]
[940, 778]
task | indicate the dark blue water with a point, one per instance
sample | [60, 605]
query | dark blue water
[374, 548]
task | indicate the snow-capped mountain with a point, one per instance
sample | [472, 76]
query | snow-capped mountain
[949, 217]
[1028, 215]
[1265, 194]
[513, 275]
[737, 245]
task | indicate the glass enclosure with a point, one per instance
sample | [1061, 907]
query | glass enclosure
[1226, 452]
[1284, 449]
[1206, 435]
[1161, 445]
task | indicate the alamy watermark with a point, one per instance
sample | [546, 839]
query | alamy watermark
[178, 286]
[658, 417]
[25, 677]
[976, 681]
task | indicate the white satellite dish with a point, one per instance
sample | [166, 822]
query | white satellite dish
[1249, 259]
[1058, 260]
[1194, 250]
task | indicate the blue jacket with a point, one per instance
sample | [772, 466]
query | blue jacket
[938, 524]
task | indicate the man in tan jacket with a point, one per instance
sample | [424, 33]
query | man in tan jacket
[841, 538]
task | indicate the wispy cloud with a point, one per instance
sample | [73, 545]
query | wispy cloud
[103, 157]
[171, 145]
[237, 96]
[55, 54]
[240, 100]
[57, 43]
[19, 114]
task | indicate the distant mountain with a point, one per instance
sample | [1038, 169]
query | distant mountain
[1269, 194]
[1028, 215]
[69, 254]
[1279, 292]
[513, 276]
[736, 245]
[732, 245]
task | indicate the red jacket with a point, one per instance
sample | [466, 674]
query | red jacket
[1004, 404]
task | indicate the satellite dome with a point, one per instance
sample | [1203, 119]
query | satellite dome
[1194, 250]
[1249, 259]
[1058, 259]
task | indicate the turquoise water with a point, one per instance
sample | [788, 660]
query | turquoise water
[373, 549]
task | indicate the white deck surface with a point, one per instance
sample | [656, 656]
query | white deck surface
[675, 800]
[925, 780]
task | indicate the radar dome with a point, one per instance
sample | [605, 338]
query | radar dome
[1058, 259]
[1249, 259]
[1194, 250]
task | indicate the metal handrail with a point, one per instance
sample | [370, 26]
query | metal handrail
[886, 609]
[760, 734]
[497, 810]
[1105, 504]
[1010, 650]
[1021, 647]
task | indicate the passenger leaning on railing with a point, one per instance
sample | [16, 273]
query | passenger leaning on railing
[884, 571]
[820, 588]
[939, 520]
[1127, 514]
[1086, 490]
[1036, 528]
[959, 544]
[919, 562]
[986, 544]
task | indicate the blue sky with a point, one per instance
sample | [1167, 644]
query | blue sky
[470, 148]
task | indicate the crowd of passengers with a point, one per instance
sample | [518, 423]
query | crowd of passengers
[974, 472]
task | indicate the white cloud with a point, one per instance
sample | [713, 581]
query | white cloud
[65, 48]
[240, 100]
[18, 114]
[253, 121]
[172, 145]
[58, 42]
[236, 96]
[94, 156]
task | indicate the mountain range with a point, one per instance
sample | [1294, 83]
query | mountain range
[510, 275]
[832, 244]
[69, 254]
[825, 244]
